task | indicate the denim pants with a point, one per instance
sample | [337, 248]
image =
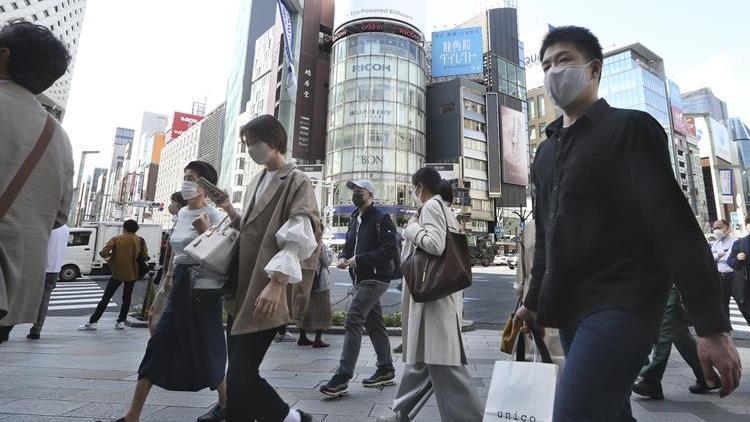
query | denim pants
[604, 353]
[365, 311]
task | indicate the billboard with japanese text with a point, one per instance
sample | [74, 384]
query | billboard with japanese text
[457, 52]
[680, 125]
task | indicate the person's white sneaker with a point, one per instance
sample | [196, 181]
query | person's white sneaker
[120, 326]
[87, 327]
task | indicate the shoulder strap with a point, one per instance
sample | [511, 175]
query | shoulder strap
[23, 173]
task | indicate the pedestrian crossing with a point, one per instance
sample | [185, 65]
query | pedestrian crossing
[76, 295]
[737, 320]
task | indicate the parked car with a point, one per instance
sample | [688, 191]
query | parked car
[512, 262]
[500, 260]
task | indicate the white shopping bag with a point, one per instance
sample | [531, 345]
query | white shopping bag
[522, 391]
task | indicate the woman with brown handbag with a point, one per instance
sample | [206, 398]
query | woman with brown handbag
[433, 348]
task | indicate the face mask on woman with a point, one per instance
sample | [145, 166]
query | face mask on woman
[189, 190]
[260, 152]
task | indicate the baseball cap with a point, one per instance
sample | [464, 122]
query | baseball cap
[362, 184]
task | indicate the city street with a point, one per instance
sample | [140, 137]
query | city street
[72, 376]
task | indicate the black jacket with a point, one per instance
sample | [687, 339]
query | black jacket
[374, 251]
[740, 245]
[613, 226]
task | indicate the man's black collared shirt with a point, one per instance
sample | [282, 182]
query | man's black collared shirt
[614, 229]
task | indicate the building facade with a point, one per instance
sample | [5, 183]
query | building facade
[212, 136]
[376, 113]
[65, 19]
[704, 101]
[112, 202]
[175, 155]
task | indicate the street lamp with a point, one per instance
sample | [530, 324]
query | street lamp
[73, 216]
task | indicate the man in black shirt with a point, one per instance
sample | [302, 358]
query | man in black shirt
[613, 232]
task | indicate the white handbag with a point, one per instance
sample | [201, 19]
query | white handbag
[215, 248]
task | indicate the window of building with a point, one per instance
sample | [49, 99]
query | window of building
[479, 226]
[239, 179]
[511, 79]
[542, 108]
[240, 164]
[237, 197]
[475, 145]
[28, 3]
[79, 239]
[542, 127]
[474, 164]
[474, 106]
[532, 132]
[46, 13]
[532, 109]
[473, 125]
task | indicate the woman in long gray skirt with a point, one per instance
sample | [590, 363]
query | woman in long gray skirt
[318, 315]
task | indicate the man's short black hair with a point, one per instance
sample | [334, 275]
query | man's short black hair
[585, 41]
[267, 129]
[37, 58]
[130, 226]
[204, 170]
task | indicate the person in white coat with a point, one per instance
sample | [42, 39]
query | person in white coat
[433, 346]
[58, 241]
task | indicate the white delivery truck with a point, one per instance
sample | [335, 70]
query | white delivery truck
[85, 243]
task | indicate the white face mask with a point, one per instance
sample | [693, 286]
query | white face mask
[416, 197]
[718, 233]
[189, 190]
[260, 152]
[565, 83]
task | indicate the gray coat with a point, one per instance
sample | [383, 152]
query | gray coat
[42, 204]
[431, 330]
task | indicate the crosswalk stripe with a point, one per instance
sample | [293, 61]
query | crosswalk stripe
[78, 289]
[96, 295]
[78, 306]
[74, 292]
[63, 301]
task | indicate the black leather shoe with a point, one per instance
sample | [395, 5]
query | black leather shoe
[216, 414]
[702, 388]
[33, 336]
[305, 417]
[648, 389]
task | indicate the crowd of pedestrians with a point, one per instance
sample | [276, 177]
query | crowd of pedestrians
[603, 299]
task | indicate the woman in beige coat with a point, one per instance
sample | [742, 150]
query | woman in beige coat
[433, 347]
[276, 262]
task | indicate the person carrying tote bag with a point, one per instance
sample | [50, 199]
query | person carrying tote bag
[433, 347]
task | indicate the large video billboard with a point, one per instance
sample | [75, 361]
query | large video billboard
[457, 52]
[411, 12]
[515, 147]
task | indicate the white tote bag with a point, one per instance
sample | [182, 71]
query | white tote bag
[522, 391]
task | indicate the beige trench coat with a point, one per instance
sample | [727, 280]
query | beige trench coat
[431, 330]
[289, 194]
[41, 206]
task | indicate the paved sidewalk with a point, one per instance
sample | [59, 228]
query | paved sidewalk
[72, 376]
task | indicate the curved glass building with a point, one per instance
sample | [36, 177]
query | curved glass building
[376, 119]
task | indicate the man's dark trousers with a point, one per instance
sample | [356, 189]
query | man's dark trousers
[603, 354]
[674, 329]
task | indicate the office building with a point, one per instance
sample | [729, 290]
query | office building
[542, 112]
[65, 19]
[704, 101]
[112, 202]
[376, 110]
[212, 136]
[281, 73]
[740, 135]
[96, 194]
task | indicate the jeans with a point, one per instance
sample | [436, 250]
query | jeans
[50, 280]
[604, 353]
[732, 287]
[673, 329]
[250, 397]
[365, 311]
[109, 291]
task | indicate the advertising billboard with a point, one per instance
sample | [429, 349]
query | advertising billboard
[722, 143]
[725, 186]
[680, 125]
[411, 12]
[457, 52]
[515, 146]
[690, 126]
[182, 122]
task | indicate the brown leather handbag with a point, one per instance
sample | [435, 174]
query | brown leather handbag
[431, 277]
